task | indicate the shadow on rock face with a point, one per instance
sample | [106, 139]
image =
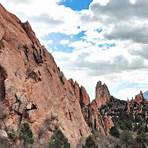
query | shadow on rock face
[3, 76]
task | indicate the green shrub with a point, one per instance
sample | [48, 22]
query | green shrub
[26, 134]
[142, 139]
[114, 132]
[90, 142]
[58, 140]
[12, 134]
[126, 137]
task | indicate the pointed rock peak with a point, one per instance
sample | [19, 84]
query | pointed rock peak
[2, 8]
[84, 96]
[80, 92]
[141, 93]
[139, 98]
[71, 81]
[31, 34]
[102, 94]
[101, 89]
[99, 83]
[76, 88]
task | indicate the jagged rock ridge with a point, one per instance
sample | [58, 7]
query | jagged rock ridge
[34, 90]
[32, 87]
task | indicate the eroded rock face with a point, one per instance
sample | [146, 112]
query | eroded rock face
[96, 120]
[84, 97]
[26, 26]
[34, 90]
[32, 87]
[139, 98]
[108, 123]
[3, 76]
[137, 104]
[102, 94]
[90, 110]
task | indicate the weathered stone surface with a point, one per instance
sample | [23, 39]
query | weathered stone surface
[33, 88]
[95, 119]
[102, 94]
[90, 110]
[139, 98]
[33, 76]
[26, 26]
[108, 123]
[3, 134]
[84, 97]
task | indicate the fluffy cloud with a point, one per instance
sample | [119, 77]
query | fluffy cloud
[45, 19]
[20, 2]
[141, 51]
[121, 10]
[44, 15]
[106, 42]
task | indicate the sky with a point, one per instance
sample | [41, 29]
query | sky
[93, 40]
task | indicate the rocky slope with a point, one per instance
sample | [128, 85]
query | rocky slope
[32, 87]
[34, 93]
[130, 120]
[90, 110]
[37, 102]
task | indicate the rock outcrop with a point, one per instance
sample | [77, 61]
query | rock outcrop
[90, 110]
[32, 87]
[34, 90]
[102, 94]
[100, 122]
[139, 98]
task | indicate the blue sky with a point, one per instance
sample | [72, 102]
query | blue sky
[93, 40]
[76, 5]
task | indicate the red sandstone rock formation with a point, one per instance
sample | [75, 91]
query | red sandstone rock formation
[33, 88]
[102, 98]
[96, 120]
[90, 109]
[108, 123]
[136, 104]
[139, 98]
[102, 94]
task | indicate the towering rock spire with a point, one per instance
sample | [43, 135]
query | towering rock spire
[102, 94]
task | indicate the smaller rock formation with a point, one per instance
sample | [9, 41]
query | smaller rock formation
[139, 98]
[96, 120]
[84, 97]
[90, 110]
[102, 94]
[127, 108]
[76, 88]
[108, 123]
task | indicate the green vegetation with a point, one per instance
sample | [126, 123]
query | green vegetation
[26, 134]
[126, 137]
[58, 140]
[13, 135]
[142, 140]
[114, 132]
[90, 142]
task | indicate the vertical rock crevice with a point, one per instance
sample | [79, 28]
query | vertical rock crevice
[3, 76]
